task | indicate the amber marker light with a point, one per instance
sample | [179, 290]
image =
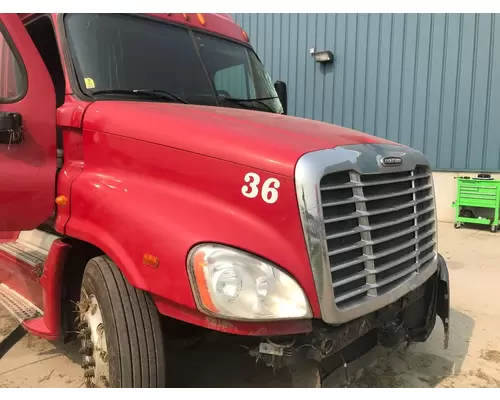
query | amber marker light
[61, 200]
[201, 18]
[245, 35]
[150, 260]
[199, 275]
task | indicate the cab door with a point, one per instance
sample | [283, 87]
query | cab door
[27, 130]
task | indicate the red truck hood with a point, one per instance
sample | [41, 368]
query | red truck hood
[261, 140]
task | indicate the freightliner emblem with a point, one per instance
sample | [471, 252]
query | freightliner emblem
[391, 161]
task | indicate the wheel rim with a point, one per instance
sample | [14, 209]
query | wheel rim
[93, 340]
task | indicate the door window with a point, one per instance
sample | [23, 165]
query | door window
[12, 82]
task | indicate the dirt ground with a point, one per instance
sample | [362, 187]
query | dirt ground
[472, 359]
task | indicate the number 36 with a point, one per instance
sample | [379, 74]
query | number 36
[269, 192]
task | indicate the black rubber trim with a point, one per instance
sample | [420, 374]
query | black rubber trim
[24, 73]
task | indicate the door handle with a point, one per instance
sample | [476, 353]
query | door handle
[11, 130]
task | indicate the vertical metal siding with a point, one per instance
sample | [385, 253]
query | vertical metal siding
[430, 81]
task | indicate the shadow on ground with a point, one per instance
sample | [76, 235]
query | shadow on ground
[425, 364]
[222, 362]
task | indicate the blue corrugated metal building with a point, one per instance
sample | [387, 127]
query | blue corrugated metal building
[430, 81]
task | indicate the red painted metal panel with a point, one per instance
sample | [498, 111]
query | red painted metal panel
[27, 170]
[49, 326]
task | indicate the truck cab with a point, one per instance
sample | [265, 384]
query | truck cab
[149, 172]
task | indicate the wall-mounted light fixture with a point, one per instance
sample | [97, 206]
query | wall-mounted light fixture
[323, 56]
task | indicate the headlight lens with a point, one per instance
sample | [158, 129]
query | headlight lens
[234, 284]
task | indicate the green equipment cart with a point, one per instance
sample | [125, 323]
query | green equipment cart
[473, 196]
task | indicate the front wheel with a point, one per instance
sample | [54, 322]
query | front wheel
[120, 331]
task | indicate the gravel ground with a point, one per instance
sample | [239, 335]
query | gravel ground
[472, 359]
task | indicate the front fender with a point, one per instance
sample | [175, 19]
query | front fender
[135, 198]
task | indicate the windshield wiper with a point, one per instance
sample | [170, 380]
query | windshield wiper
[159, 94]
[256, 100]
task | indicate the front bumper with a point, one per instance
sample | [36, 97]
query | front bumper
[410, 319]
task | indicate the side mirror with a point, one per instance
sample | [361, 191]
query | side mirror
[282, 94]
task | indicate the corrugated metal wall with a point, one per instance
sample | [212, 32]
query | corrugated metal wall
[431, 81]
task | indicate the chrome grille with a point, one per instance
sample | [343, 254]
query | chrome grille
[380, 230]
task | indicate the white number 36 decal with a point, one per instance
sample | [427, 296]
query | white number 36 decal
[269, 192]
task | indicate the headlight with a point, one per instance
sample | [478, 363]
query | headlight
[234, 284]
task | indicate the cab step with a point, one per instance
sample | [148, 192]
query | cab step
[31, 280]
[31, 247]
[17, 305]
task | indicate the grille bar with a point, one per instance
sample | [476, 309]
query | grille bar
[384, 282]
[377, 212]
[350, 263]
[364, 243]
[415, 228]
[381, 225]
[352, 184]
[380, 231]
[345, 249]
[384, 225]
[386, 253]
[358, 198]
[397, 248]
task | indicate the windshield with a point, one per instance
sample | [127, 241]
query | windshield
[113, 52]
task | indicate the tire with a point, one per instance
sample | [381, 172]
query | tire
[130, 331]
[494, 228]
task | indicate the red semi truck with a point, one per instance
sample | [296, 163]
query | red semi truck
[149, 172]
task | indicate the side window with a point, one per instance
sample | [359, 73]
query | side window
[234, 81]
[12, 83]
